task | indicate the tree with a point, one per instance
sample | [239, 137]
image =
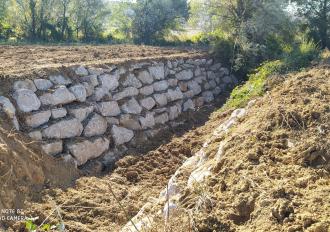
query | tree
[153, 18]
[88, 17]
[121, 19]
[317, 16]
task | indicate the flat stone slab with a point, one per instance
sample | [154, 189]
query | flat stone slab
[127, 92]
[59, 113]
[38, 119]
[184, 75]
[60, 80]
[43, 84]
[81, 113]
[64, 129]
[108, 109]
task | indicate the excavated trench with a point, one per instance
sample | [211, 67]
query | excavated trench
[126, 127]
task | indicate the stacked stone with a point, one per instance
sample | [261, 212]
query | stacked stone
[102, 109]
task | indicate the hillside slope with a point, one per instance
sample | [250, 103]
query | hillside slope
[267, 171]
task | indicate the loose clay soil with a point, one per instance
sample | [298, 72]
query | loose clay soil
[26, 60]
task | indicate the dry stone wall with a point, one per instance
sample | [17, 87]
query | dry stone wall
[99, 111]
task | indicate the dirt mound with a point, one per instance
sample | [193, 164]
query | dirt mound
[273, 174]
[25, 60]
[25, 171]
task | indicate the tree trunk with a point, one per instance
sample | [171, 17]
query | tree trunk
[33, 18]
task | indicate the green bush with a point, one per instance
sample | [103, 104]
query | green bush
[254, 87]
[301, 55]
[223, 50]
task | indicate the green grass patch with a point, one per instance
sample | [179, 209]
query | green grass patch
[254, 87]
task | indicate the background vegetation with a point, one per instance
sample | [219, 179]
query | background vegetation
[241, 33]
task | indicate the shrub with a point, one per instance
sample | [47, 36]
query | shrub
[254, 87]
[301, 55]
[223, 50]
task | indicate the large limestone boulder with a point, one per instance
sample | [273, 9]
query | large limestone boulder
[148, 121]
[59, 113]
[53, 148]
[26, 100]
[43, 84]
[109, 82]
[208, 96]
[121, 135]
[88, 149]
[81, 71]
[25, 84]
[100, 93]
[148, 103]
[35, 135]
[195, 87]
[185, 75]
[89, 89]
[131, 107]
[173, 82]
[157, 71]
[215, 67]
[46, 99]
[130, 122]
[160, 85]
[145, 77]
[147, 90]
[173, 95]
[38, 119]
[174, 112]
[161, 99]
[216, 91]
[62, 96]
[79, 91]
[127, 92]
[63, 129]
[162, 118]
[7, 107]
[91, 79]
[188, 105]
[97, 125]
[60, 80]
[108, 109]
[81, 113]
[131, 81]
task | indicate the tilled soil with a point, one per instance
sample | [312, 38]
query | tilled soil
[25, 60]
[106, 203]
